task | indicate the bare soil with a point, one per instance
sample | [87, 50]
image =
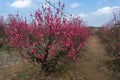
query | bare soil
[93, 68]
[9, 72]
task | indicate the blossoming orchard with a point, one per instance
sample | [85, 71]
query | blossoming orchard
[52, 44]
[109, 34]
[48, 37]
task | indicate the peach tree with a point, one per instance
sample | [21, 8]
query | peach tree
[110, 35]
[48, 38]
[2, 33]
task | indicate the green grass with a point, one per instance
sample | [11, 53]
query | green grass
[21, 75]
[5, 49]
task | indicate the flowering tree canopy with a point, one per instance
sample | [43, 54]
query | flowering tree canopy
[49, 36]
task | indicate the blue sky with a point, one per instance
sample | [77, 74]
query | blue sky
[94, 12]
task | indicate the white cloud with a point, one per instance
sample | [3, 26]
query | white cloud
[106, 10]
[103, 1]
[21, 3]
[75, 5]
[83, 15]
[100, 16]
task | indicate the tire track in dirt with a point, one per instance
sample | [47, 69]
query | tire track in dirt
[94, 55]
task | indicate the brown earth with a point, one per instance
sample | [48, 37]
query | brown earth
[93, 68]
[7, 73]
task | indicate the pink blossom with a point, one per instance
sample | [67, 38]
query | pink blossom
[32, 51]
[50, 53]
[40, 57]
[35, 43]
[119, 53]
[68, 35]
[69, 55]
[49, 46]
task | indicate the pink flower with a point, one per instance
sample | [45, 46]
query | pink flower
[32, 51]
[79, 48]
[35, 43]
[57, 33]
[64, 20]
[45, 53]
[40, 57]
[118, 44]
[69, 55]
[119, 53]
[50, 53]
[48, 9]
[49, 46]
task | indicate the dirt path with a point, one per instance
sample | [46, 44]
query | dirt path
[94, 56]
[9, 72]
